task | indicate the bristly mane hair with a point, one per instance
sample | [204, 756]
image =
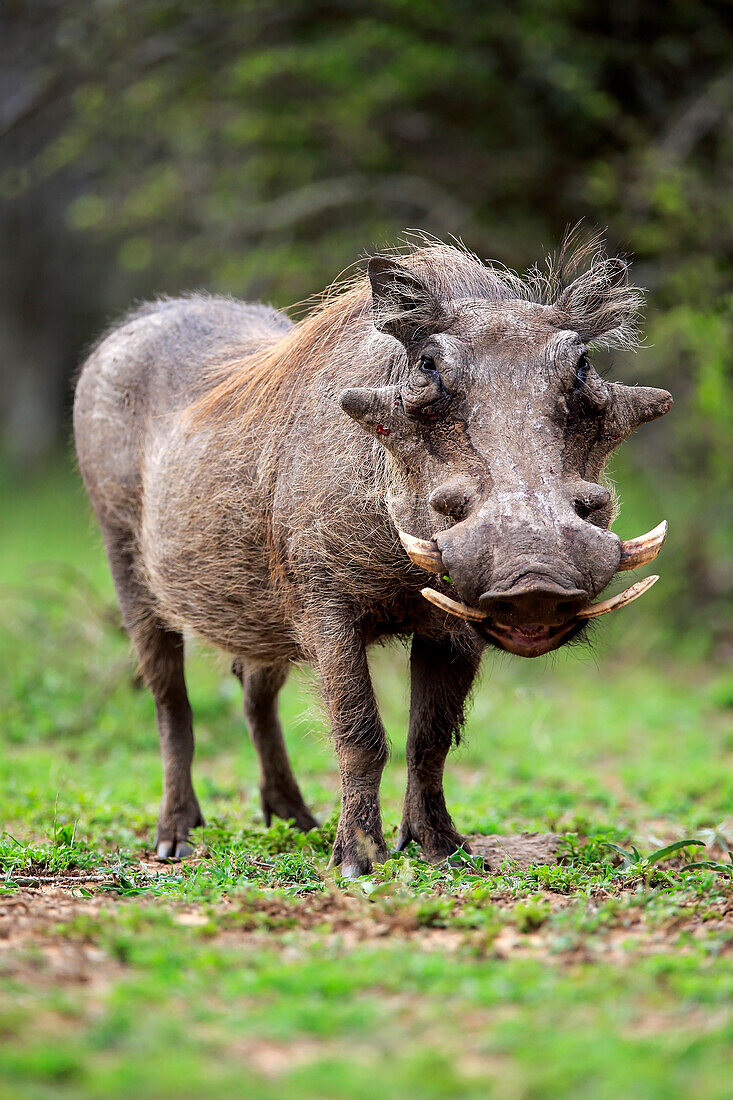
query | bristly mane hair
[587, 290]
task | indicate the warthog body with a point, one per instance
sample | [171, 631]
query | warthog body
[237, 500]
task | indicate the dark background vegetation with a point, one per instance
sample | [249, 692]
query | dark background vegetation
[258, 149]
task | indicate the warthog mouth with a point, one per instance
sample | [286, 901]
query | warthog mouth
[534, 639]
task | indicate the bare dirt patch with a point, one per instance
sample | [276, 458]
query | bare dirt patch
[30, 949]
[523, 849]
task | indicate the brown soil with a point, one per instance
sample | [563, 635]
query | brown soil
[522, 849]
[33, 945]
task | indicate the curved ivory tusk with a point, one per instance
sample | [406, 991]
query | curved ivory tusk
[453, 607]
[642, 550]
[611, 604]
[423, 552]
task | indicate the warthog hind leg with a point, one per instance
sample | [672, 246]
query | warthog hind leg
[441, 679]
[160, 653]
[279, 791]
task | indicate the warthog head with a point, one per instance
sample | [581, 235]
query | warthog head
[498, 428]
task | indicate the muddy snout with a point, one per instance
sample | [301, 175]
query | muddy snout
[523, 574]
[533, 600]
[526, 588]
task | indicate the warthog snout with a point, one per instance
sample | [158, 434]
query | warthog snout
[531, 548]
[527, 583]
[533, 600]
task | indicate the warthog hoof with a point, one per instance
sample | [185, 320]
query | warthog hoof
[172, 839]
[356, 855]
[166, 850]
[287, 805]
[426, 821]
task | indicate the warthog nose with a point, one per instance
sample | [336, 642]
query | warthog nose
[540, 601]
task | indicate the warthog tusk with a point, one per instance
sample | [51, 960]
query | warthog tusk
[627, 596]
[453, 607]
[642, 550]
[463, 611]
[423, 552]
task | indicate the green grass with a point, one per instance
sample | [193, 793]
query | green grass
[255, 970]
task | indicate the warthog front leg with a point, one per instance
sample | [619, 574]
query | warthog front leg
[361, 746]
[441, 678]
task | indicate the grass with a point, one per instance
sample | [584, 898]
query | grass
[253, 969]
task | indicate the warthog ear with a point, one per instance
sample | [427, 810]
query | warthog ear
[403, 305]
[601, 305]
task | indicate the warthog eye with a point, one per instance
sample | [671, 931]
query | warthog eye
[425, 396]
[581, 373]
[589, 394]
[432, 374]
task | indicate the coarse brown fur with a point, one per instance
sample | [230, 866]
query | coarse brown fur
[237, 500]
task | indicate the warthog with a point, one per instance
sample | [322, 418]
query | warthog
[237, 501]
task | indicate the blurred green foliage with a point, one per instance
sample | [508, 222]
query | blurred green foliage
[259, 148]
